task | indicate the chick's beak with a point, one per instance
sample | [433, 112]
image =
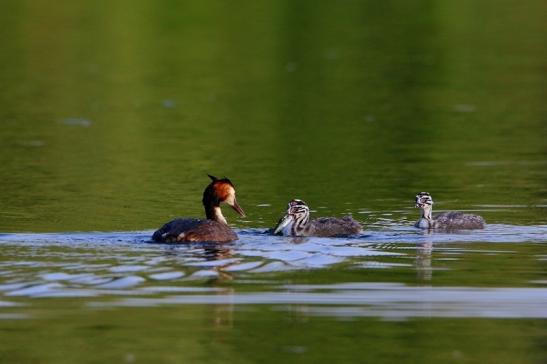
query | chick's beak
[238, 208]
[284, 221]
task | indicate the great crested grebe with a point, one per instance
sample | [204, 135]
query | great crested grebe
[214, 228]
[451, 220]
[296, 222]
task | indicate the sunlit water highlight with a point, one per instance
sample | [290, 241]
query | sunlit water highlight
[111, 116]
[108, 265]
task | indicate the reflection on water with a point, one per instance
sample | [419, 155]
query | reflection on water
[424, 253]
[107, 265]
[378, 300]
[110, 118]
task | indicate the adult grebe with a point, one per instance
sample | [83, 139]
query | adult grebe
[451, 220]
[214, 228]
[296, 222]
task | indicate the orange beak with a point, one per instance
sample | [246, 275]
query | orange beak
[238, 208]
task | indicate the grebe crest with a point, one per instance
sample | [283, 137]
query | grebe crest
[220, 190]
[296, 222]
[215, 227]
[451, 220]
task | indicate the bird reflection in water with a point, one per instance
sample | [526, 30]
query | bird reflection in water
[424, 252]
[212, 252]
[222, 316]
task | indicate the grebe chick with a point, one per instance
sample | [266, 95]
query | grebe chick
[451, 220]
[296, 222]
[214, 228]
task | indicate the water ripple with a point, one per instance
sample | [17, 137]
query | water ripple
[382, 300]
[92, 266]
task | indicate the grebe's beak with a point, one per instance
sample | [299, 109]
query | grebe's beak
[238, 208]
[283, 222]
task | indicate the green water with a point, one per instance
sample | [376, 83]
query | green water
[112, 113]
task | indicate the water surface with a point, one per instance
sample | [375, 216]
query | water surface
[112, 113]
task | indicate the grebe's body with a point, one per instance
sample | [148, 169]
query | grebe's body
[193, 230]
[451, 220]
[214, 228]
[296, 222]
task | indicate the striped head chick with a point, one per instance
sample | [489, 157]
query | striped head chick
[296, 220]
[425, 203]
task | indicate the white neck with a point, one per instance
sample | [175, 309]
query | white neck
[426, 212]
[218, 215]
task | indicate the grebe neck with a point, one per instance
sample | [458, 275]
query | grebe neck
[426, 212]
[215, 213]
[218, 215]
[426, 221]
[301, 225]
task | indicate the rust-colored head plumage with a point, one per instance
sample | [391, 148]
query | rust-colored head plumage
[221, 190]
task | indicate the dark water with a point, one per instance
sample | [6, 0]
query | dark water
[112, 113]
